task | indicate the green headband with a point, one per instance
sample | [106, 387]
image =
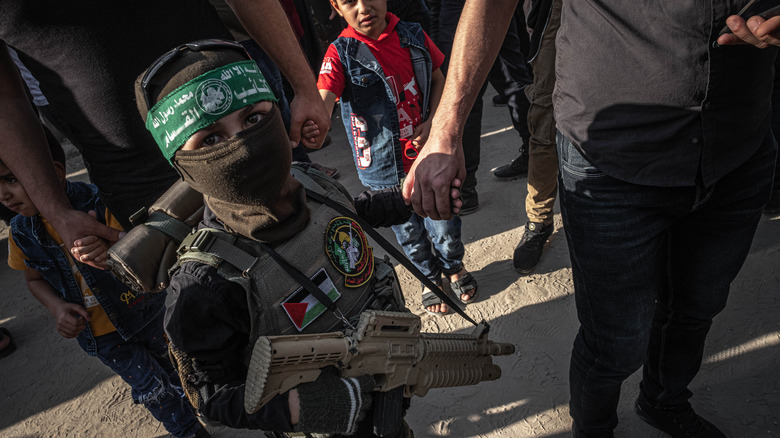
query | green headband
[204, 100]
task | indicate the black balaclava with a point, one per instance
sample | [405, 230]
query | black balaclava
[245, 179]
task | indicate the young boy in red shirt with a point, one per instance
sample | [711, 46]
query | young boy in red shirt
[386, 74]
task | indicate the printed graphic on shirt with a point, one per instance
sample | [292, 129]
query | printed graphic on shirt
[347, 248]
[327, 66]
[362, 146]
[303, 308]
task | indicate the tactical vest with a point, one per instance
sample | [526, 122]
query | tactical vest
[332, 251]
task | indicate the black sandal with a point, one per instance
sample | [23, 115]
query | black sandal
[464, 286]
[430, 299]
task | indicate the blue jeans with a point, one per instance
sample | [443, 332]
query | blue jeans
[433, 246]
[143, 363]
[652, 267]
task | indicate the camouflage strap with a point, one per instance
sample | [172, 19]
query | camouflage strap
[184, 368]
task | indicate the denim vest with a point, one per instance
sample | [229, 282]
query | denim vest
[129, 311]
[374, 132]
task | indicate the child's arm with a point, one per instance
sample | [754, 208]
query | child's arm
[70, 318]
[421, 132]
[329, 98]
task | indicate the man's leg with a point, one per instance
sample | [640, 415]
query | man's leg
[543, 156]
[617, 246]
[707, 249]
[629, 253]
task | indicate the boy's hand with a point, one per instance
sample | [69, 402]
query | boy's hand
[307, 106]
[420, 135]
[91, 249]
[309, 133]
[74, 225]
[70, 319]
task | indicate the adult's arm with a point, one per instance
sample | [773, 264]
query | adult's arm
[756, 31]
[481, 30]
[26, 153]
[267, 24]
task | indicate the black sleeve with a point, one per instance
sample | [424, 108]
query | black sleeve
[383, 208]
[207, 318]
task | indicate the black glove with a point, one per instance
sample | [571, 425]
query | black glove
[332, 404]
[382, 208]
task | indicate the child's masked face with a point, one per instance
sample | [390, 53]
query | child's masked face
[228, 126]
[249, 167]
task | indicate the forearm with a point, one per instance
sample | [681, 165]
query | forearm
[268, 25]
[481, 30]
[45, 294]
[437, 87]
[24, 148]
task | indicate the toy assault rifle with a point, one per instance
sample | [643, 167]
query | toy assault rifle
[387, 345]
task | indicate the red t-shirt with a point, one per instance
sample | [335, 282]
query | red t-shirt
[397, 66]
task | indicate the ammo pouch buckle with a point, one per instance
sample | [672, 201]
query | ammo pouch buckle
[212, 246]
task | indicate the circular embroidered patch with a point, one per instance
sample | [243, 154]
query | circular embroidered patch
[347, 248]
[214, 96]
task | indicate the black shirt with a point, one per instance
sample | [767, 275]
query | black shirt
[647, 96]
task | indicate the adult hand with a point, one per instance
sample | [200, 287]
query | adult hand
[756, 31]
[429, 184]
[308, 106]
[73, 225]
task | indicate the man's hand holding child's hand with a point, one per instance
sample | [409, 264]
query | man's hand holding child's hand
[309, 132]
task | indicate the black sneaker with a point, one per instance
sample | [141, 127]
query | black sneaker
[499, 100]
[773, 206]
[678, 422]
[518, 168]
[470, 199]
[529, 250]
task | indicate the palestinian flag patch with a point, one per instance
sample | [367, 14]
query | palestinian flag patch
[303, 308]
[348, 250]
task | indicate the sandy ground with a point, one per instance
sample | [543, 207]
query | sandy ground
[49, 387]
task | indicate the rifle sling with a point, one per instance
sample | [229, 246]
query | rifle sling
[397, 255]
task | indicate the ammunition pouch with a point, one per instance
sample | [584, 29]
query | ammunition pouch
[141, 259]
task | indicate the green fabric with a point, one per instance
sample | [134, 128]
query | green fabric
[204, 100]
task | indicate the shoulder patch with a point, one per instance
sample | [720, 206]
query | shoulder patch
[347, 248]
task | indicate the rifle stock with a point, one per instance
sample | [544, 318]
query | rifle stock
[387, 345]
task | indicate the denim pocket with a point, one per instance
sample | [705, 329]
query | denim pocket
[572, 161]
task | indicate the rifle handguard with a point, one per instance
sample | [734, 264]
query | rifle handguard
[142, 258]
[386, 345]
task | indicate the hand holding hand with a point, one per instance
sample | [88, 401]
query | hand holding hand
[309, 133]
[429, 184]
[73, 225]
[308, 107]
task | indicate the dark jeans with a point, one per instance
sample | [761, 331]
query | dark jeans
[143, 363]
[652, 267]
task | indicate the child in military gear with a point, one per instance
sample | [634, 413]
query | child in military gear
[244, 272]
[386, 73]
[123, 329]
